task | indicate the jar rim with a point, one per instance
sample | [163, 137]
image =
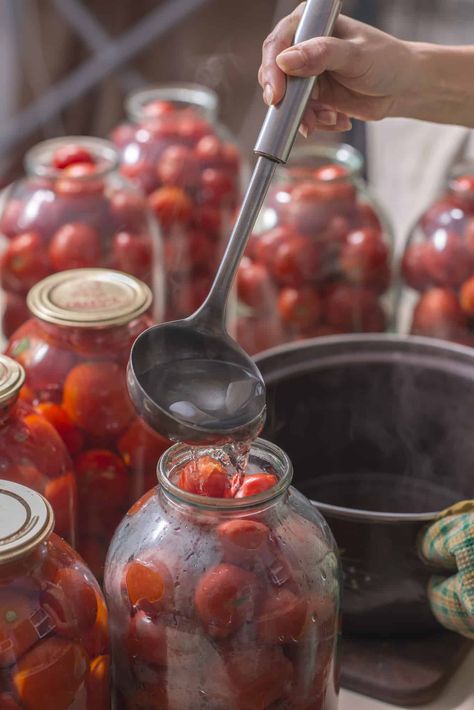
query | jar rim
[12, 378]
[341, 153]
[27, 520]
[38, 159]
[259, 446]
[196, 95]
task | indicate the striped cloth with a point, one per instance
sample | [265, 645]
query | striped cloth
[449, 543]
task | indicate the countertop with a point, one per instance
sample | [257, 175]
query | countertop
[458, 694]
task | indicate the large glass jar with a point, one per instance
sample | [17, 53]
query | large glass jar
[224, 603]
[75, 350]
[319, 262]
[32, 453]
[437, 296]
[188, 165]
[73, 210]
[53, 619]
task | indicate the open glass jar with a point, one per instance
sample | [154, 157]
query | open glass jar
[75, 351]
[189, 166]
[224, 604]
[74, 210]
[53, 618]
[31, 452]
[437, 295]
[319, 262]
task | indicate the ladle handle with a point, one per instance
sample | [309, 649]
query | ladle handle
[281, 123]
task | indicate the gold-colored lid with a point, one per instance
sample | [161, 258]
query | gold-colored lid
[89, 298]
[26, 519]
[12, 377]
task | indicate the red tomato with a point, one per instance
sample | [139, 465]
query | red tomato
[53, 670]
[258, 333]
[9, 220]
[258, 677]
[333, 171]
[353, 309]
[464, 184]
[282, 617]
[209, 151]
[69, 154]
[61, 493]
[439, 315]
[146, 639]
[296, 261]
[217, 186]
[102, 479]
[72, 602]
[171, 205]
[95, 397]
[60, 419]
[148, 584]
[364, 258]
[267, 243]
[242, 540]
[18, 605]
[79, 179]
[414, 266]
[24, 262]
[157, 108]
[133, 253]
[75, 246]
[205, 477]
[128, 208]
[447, 259]
[467, 297]
[178, 166]
[202, 252]
[314, 204]
[254, 286]
[142, 173]
[15, 313]
[48, 449]
[141, 448]
[98, 684]
[299, 307]
[191, 127]
[255, 483]
[226, 597]
[210, 220]
[447, 213]
[367, 217]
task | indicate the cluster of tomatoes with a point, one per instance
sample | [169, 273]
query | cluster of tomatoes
[439, 265]
[231, 628]
[191, 178]
[77, 215]
[53, 633]
[76, 380]
[320, 269]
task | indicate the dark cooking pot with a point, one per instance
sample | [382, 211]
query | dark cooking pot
[380, 432]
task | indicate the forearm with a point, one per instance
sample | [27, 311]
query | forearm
[442, 89]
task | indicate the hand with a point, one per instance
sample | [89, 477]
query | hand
[363, 73]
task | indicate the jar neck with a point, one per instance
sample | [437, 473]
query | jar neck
[198, 98]
[39, 161]
[264, 457]
[306, 160]
[461, 181]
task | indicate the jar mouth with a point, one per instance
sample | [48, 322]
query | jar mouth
[38, 160]
[464, 168]
[180, 454]
[204, 100]
[318, 155]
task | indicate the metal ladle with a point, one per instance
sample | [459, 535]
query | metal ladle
[189, 379]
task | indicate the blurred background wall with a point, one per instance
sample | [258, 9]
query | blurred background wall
[51, 43]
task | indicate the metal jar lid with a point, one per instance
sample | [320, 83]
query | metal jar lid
[26, 519]
[12, 377]
[89, 298]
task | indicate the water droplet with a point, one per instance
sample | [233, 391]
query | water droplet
[314, 617]
[324, 575]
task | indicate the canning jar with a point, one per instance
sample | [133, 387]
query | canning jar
[189, 166]
[319, 262]
[75, 350]
[437, 295]
[53, 618]
[73, 210]
[32, 453]
[227, 603]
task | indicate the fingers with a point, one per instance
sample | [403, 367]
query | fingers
[315, 56]
[320, 117]
[270, 76]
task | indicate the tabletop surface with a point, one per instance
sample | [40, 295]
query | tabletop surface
[458, 695]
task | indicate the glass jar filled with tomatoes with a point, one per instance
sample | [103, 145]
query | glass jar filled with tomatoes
[73, 210]
[189, 166]
[75, 350]
[31, 451]
[319, 262]
[223, 590]
[53, 618]
[437, 296]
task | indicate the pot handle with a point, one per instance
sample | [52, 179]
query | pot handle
[449, 543]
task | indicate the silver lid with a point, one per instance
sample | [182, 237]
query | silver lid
[12, 377]
[26, 519]
[89, 298]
